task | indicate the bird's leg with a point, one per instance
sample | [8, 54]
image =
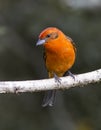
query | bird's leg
[57, 79]
[70, 74]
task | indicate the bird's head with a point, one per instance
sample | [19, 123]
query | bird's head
[48, 35]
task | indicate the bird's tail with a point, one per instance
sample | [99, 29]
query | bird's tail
[49, 98]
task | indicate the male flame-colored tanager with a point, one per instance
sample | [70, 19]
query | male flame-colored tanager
[59, 56]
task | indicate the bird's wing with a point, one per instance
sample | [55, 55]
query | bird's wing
[74, 45]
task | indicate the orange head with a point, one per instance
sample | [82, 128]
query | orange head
[49, 35]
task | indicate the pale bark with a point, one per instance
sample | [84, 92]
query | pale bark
[67, 82]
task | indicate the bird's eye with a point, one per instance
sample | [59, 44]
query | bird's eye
[48, 35]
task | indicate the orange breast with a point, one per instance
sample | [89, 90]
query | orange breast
[59, 57]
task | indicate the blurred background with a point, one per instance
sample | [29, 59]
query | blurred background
[21, 21]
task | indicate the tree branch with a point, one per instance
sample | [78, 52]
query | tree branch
[49, 84]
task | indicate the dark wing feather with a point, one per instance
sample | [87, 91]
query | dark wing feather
[74, 45]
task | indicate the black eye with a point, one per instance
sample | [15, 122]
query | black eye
[48, 35]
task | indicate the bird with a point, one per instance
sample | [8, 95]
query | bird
[59, 56]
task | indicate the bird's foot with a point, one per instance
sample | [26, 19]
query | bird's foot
[72, 75]
[57, 79]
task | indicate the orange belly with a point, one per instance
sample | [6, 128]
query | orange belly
[59, 63]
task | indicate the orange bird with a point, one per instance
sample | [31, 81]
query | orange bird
[59, 56]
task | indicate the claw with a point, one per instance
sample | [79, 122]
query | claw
[70, 74]
[57, 79]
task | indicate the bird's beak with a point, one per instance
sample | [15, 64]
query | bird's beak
[40, 42]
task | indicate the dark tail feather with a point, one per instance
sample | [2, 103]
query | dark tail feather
[49, 98]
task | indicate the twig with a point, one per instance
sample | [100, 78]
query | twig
[49, 84]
